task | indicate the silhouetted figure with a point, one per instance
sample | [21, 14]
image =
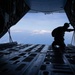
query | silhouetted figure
[58, 44]
[58, 34]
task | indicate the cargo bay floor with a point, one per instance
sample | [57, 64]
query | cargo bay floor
[36, 59]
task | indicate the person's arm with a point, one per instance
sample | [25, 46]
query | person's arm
[69, 30]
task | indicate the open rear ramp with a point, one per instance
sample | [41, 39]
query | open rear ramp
[38, 59]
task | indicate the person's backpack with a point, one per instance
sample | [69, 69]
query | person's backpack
[58, 32]
[54, 32]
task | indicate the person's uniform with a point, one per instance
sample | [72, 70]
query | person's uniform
[58, 35]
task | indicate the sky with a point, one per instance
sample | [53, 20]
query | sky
[36, 28]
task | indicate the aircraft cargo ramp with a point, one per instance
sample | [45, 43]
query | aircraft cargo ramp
[36, 59]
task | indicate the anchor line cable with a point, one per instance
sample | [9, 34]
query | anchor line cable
[73, 38]
[10, 38]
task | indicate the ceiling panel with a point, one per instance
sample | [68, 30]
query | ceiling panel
[46, 5]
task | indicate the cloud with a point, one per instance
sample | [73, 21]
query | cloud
[41, 31]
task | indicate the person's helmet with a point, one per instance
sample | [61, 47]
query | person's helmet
[66, 25]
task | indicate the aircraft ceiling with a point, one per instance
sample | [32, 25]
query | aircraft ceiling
[46, 6]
